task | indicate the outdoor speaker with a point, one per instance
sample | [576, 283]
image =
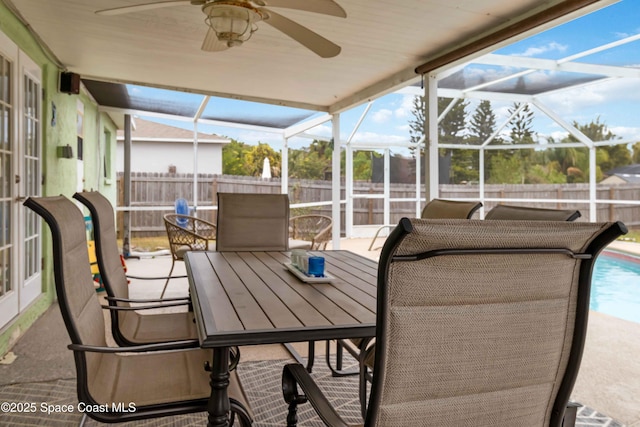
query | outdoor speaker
[70, 83]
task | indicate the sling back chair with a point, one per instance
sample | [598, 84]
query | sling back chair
[441, 208]
[252, 222]
[479, 323]
[311, 232]
[187, 233]
[256, 222]
[500, 212]
[435, 209]
[128, 325]
[532, 214]
[160, 379]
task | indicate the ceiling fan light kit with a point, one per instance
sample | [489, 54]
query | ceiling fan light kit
[233, 22]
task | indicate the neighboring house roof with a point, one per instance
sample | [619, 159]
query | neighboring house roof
[145, 130]
[619, 178]
[623, 174]
[629, 170]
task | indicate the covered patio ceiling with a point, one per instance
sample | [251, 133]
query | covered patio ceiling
[383, 44]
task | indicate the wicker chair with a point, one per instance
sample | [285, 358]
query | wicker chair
[187, 233]
[311, 232]
[479, 323]
[160, 379]
[128, 325]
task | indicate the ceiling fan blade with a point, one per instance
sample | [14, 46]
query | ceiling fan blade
[140, 7]
[325, 7]
[303, 35]
[212, 44]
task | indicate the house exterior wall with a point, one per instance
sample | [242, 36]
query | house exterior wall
[157, 156]
[60, 176]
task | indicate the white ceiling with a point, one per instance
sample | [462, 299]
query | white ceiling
[382, 41]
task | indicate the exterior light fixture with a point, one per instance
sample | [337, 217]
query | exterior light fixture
[233, 21]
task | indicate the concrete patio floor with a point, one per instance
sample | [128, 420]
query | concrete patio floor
[609, 378]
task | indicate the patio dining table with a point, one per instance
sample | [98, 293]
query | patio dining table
[250, 298]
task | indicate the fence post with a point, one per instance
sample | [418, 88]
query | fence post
[370, 205]
[559, 197]
[120, 202]
[612, 208]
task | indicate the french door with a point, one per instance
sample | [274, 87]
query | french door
[20, 177]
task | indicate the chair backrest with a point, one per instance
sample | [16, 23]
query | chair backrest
[112, 274]
[252, 222]
[453, 209]
[531, 214]
[482, 322]
[77, 299]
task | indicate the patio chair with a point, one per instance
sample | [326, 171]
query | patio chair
[479, 323]
[532, 214]
[311, 232]
[441, 208]
[435, 209]
[159, 379]
[256, 222]
[187, 233]
[128, 325]
[252, 222]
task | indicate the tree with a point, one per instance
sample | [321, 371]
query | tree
[254, 160]
[450, 130]
[636, 153]
[521, 130]
[233, 160]
[482, 124]
[505, 170]
[607, 157]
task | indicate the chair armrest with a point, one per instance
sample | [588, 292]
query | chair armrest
[294, 375]
[171, 345]
[142, 307]
[184, 300]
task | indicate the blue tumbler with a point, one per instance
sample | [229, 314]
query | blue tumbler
[316, 266]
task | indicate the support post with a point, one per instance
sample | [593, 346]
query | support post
[431, 142]
[335, 181]
[126, 234]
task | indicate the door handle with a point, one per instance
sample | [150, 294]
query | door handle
[21, 199]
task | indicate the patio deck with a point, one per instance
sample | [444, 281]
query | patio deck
[43, 370]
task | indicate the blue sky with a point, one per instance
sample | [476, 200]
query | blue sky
[616, 103]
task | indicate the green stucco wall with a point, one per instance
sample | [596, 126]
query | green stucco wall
[59, 175]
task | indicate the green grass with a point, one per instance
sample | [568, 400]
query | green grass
[147, 244]
[632, 235]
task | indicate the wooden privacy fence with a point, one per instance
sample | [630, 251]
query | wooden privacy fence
[154, 190]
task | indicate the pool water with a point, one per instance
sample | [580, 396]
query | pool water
[615, 286]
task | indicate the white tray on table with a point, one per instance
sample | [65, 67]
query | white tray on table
[327, 278]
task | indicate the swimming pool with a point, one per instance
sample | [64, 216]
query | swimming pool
[615, 287]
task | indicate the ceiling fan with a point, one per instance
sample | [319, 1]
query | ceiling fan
[232, 22]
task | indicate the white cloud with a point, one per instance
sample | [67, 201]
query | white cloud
[626, 132]
[378, 137]
[539, 50]
[382, 115]
[406, 107]
[606, 94]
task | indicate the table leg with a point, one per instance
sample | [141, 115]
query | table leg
[218, 406]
